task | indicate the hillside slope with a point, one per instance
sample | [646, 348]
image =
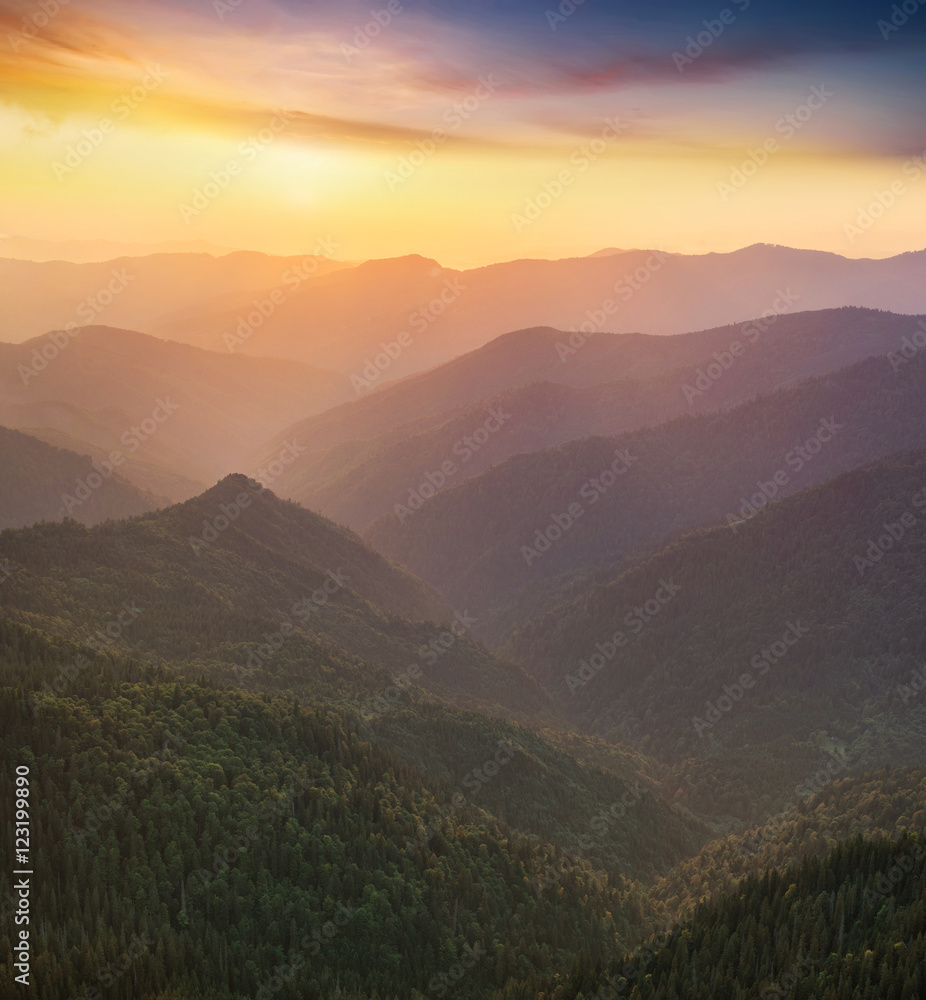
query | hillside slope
[44, 483]
[539, 515]
[850, 924]
[755, 652]
[256, 591]
[220, 840]
[189, 412]
[358, 480]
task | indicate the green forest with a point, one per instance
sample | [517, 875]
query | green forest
[228, 830]
[267, 761]
[195, 842]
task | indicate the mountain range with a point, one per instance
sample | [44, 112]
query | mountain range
[431, 431]
[794, 668]
[384, 319]
[97, 251]
[176, 416]
[140, 293]
[548, 664]
[444, 312]
[538, 515]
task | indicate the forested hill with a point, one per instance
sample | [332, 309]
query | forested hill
[198, 844]
[805, 619]
[44, 483]
[536, 516]
[195, 843]
[254, 590]
[849, 925]
[882, 804]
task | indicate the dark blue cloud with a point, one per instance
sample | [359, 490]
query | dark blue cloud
[769, 29]
[763, 31]
[791, 23]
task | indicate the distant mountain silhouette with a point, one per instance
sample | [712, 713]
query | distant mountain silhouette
[344, 321]
[96, 251]
[395, 442]
[389, 318]
[140, 293]
[177, 415]
[524, 522]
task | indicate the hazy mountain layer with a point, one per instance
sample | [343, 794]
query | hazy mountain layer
[45, 483]
[388, 467]
[178, 415]
[539, 515]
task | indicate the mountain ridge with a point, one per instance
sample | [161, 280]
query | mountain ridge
[699, 470]
[628, 382]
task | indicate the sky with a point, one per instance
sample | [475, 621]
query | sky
[468, 132]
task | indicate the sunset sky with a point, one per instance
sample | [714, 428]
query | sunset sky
[607, 121]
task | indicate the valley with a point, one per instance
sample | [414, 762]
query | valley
[608, 656]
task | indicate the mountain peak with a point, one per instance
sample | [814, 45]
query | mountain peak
[410, 263]
[607, 252]
[228, 489]
[238, 481]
